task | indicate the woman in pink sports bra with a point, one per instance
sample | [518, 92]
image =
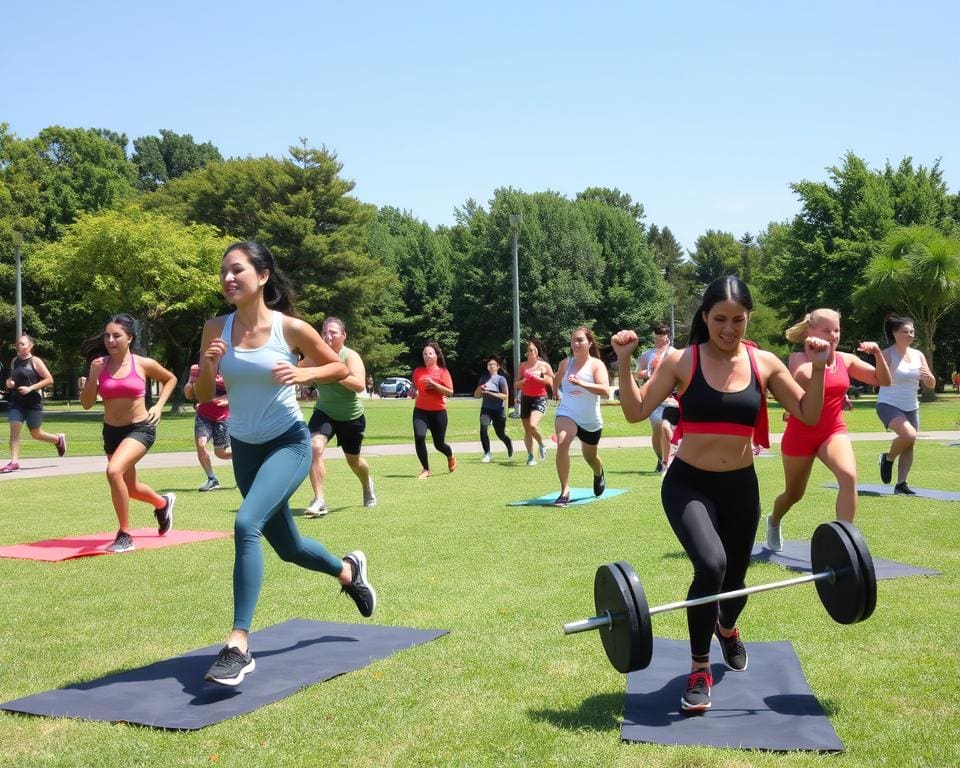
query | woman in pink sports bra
[826, 440]
[129, 428]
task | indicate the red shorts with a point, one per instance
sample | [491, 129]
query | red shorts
[801, 440]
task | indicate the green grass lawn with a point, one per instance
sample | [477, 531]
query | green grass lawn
[388, 421]
[505, 687]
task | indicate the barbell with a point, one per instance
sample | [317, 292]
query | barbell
[842, 570]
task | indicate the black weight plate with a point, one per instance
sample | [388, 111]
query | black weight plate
[845, 597]
[866, 565]
[612, 593]
[642, 649]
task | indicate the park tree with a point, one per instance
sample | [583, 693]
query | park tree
[169, 156]
[302, 209]
[614, 198]
[716, 254]
[160, 271]
[917, 273]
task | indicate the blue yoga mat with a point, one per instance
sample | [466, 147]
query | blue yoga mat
[796, 557]
[866, 489]
[769, 706]
[577, 496]
[172, 693]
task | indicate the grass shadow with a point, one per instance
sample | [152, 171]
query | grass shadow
[602, 712]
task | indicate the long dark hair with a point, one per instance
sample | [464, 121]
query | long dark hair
[729, 288]
[94, 346]
[893, 323]
[278, 292]
[538, 345]
[436, 348]
[593, 350]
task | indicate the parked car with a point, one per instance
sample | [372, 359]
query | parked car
[395, 386]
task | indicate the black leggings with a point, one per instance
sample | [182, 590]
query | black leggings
[499, 422]
[436, 422]
[715, 517]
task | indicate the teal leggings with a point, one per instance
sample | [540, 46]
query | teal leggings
[267, 475]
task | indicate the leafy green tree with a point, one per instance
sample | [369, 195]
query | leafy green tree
[917, 273]
[716, 254]
[614, 198]
[161, 272]
[169, 156]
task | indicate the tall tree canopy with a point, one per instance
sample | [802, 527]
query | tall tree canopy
[169, 156]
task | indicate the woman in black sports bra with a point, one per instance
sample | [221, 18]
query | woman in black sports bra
[710, 492]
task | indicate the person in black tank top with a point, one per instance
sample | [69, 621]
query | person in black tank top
[28, 376]
[710, 492]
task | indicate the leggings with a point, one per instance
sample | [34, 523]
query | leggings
[436, 422]
[267, 475]
[715, 517]
[499, 422]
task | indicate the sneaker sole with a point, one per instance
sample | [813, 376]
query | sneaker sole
[685, 706]
[120, 551]
[171, 501]
[314, 515]
[233, 680]
[359, 559]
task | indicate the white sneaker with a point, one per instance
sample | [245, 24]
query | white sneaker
[316, 508]
[531, 462]
[774, 537]
[369, 497]
[543, 453]
[487, 458]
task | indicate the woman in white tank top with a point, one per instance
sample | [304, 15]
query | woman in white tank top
[897, 405]
[581, 381]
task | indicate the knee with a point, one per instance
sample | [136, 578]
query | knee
[709, 572]
[114, 474]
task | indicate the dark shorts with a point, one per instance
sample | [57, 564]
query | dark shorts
[349, 433]
[888, 413]
[140, 431]
[209, 429]
[671, 414]
[530, 404]
[588, 438]
[32, 416]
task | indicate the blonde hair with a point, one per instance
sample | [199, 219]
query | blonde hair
[799, 331]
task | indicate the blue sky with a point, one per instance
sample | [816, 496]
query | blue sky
[703, 111]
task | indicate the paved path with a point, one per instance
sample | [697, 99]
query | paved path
[78, 465]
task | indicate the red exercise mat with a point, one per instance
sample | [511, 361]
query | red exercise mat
[54, 550]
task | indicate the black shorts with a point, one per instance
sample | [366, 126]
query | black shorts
[588, 438]
[140, 431]
[349, 433]
[671, 413]
[529, 404]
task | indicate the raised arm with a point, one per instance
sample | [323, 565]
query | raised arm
[638, 403]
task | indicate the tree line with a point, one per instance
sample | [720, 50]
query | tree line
[108, 230]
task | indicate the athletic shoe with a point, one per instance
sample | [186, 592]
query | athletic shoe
[774, 536]
[231, 666]
[316, 508]
[902, 489]
[734, 653]
[487, 458]
[452, 463]
[599, 483]
[12, 466]
[561, 501]
[697, 696]
[543, 452]
[61, 444]
[211, 485]
[531, 462]
[369, 497]
[424, 474]
[510, 450]
[164, 515]
[123, 543]
[886, 468]
[659, 467]
[362, 592]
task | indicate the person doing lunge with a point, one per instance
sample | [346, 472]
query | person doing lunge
[256, 348]
[129, 427]
[827, 439]
[710, 493]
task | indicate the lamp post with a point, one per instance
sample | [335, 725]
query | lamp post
[17, 240]
[516, 220]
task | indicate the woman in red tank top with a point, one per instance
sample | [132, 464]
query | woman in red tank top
[533, 378]
[827, 440]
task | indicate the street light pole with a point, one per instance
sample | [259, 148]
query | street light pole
[516, 220]
[17, 240]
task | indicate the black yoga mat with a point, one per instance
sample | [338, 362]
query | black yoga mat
[796, 557]
[172, 693]
[769, 706]
[867, 489]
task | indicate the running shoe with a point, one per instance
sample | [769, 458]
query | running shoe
[697, 696]
[362, 592]
[231, 666]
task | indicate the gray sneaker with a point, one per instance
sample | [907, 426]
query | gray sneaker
[164, 515]
[369, 496]
[362, 591]
[123, 543]
[211, 485]
[316, 508]
[774, 536]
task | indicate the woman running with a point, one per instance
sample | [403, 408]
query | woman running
[533, 378]
[495, 391]
[432, 386]
[129, 427]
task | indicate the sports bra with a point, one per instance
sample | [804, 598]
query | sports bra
[705, 410]
[130, 386]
